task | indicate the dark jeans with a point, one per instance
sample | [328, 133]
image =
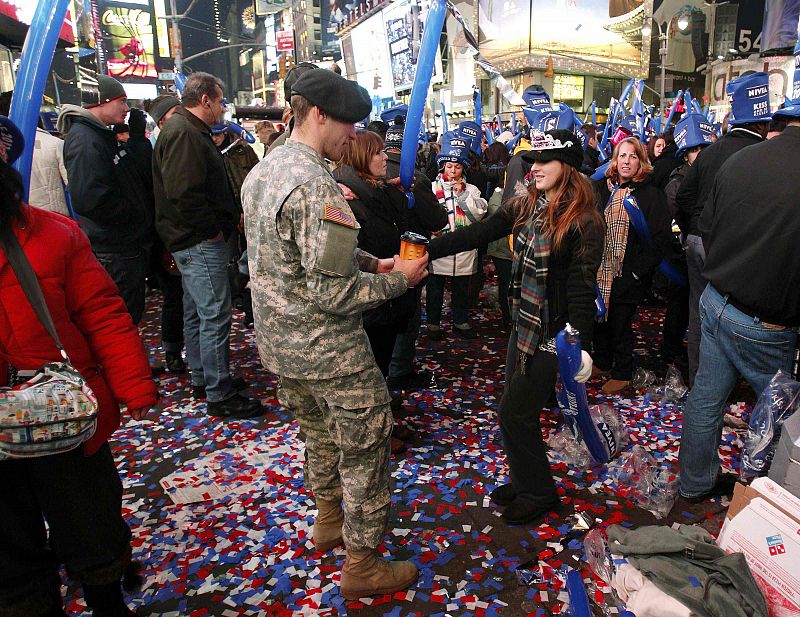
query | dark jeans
[382, 340]
[435, 295]
[676, 320]
[695, 259]
[732, 344]
[405, 347]
[523, 399]
[613, 341]
[129, 271]
[80, 497]
[171, 309]
[503, 269]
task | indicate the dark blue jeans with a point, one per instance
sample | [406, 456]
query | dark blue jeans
[458, 299]
[732, 344]
[128, 270]
[207, 315]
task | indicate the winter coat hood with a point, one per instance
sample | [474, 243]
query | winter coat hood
[71, 113]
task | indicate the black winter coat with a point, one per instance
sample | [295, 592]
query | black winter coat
[641, 258]
[194, 200]
[572, 270]
[664, 165]
[427, 215]
[379, 235]
[107, 189]
[696, 186]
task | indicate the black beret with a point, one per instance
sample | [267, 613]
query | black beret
[293, 75]
[338, 97]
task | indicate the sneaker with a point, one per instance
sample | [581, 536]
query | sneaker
[237, 385]
[238, 407]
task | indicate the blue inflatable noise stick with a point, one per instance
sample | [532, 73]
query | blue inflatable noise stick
[599, 438]
[578, 599]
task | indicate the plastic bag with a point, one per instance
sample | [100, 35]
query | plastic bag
[597, 554]
[566, 447]
[777, 403]
[642, 378]
[673, 388]
[652, 486]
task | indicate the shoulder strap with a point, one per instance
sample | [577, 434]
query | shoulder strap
[30, 285]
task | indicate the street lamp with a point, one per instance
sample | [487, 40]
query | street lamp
[647, 30]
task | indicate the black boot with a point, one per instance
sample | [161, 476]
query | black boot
[106, 600]
[174, 362]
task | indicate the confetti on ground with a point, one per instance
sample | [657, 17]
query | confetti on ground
[222, 521]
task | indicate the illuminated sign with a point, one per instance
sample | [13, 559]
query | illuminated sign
[598, 36]
[373, 69]
[128, 39]
[568, 88]
[22, 11]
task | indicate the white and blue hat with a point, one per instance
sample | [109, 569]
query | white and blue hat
[12, 139]
[692, 130]
[536, 98]
[749, 97]
[472, 132]
[790, 109]
[455, 149]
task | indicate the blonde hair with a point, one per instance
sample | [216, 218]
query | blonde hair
[644, 164]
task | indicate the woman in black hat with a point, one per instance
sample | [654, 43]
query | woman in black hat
[558, 242]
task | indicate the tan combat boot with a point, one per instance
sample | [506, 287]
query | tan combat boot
[366, 573]
[328, 525]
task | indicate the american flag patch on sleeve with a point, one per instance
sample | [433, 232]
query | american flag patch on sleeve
[338, 216]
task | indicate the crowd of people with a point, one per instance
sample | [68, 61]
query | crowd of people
[308, 241]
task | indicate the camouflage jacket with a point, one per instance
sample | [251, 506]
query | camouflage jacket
[307, 275]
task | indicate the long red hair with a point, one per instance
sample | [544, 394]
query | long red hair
[572, 205]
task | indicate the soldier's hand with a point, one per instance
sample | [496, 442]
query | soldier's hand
[395, 182]
[385, 265]
[414, 269]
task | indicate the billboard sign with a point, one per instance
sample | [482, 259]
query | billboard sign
[605, 34]
[128, 40]
[373, 69]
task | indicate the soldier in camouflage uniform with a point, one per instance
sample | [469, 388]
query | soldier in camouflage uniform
[310, 285]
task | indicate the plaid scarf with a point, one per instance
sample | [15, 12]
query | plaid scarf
[617, 225]
[527, 296]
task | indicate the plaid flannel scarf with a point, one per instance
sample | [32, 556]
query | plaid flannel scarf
[617, 225]
[527, 296]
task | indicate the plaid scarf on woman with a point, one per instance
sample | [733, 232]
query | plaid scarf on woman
[527, 296]
[617, 225]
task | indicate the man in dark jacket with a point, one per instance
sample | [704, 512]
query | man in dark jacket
[750, 121]
[108, 192]
[424, 218]
[195, 215]
[751, 305]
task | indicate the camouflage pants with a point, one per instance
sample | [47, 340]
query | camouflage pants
[347, 423]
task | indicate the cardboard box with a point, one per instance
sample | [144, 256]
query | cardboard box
[763, 522]
[785, 468]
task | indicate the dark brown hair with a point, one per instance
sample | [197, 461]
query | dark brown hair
[360, 152]
[651, 147]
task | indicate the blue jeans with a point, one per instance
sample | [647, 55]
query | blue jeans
[732, 344]
[458, 298]
[695, 258]
[207, 315]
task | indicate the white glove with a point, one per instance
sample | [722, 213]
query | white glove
[583, 374]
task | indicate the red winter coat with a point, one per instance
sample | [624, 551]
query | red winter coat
[90, 317]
